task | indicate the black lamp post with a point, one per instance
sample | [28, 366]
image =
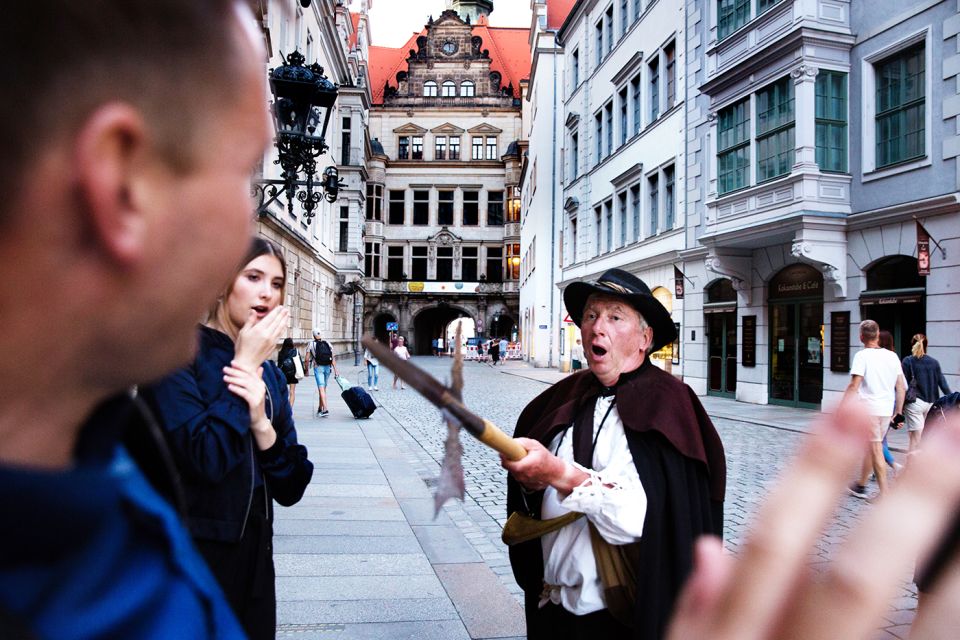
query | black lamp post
[300, 94]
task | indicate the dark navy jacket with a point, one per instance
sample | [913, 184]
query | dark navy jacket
[929, 377]
[95, 552]
[208, 428]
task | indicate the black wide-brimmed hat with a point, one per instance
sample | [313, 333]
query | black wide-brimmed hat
[620, 284]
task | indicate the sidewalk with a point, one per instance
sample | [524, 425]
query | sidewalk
[361, 556]
[766, 415]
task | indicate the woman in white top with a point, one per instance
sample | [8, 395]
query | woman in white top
[402, 353]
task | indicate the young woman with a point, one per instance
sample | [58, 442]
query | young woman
[286, 360]
[403, 354]
[373, 371]
[230, 425]
[924, 372]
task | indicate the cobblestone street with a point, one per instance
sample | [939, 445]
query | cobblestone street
[755, 456]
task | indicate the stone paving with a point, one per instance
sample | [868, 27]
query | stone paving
[758, 442]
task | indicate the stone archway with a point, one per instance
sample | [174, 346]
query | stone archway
[431, 323]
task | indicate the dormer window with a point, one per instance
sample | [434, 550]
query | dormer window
[430, 89]
[449, 89]
[466, 89]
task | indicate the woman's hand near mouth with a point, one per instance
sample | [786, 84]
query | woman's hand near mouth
[258, 339]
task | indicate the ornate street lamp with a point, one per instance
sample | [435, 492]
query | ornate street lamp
[300, 94]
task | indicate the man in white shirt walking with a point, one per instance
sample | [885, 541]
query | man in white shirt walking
[877, 379]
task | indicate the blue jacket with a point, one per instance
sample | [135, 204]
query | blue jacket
[95, 552]
[208, 428]
[929, 377]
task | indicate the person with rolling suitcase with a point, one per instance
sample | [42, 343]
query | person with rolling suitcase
[359, 402]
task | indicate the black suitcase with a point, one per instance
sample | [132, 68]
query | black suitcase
[358, 400]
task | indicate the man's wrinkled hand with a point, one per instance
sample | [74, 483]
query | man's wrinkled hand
[540, 468]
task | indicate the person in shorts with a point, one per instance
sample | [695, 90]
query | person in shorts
[324, 362]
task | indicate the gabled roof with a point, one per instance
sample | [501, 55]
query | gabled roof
[509, 54]
[557, 12]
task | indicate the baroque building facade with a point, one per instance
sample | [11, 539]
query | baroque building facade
[323, 253]
[442, 207]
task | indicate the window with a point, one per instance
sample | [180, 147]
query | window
[418, 263]
[731, 15]
[418, 147]
[733, 146]
[635, 211]
[608, 110]
[670, 55]
[440, 148]
[374, 201]
[345, 141]
[371, 260]
[637, 108]
[445, 263]
[669, 204]
[574, 156]
[608, 209]
[775, 130]
[513, 201]
[637, 9]
[599, 42]
[471, 208]
[622, 208]
[609, 24]
[430, 89]
[449, 89]
[597, 222]
[344, 229]
[454, 147]
[599, 128]
[395, 263]
[654, 181]
[466, 89]
[494, 208]
[575, 68]
[513, 261]
[624, 110]
[831, 119]
[901, 126]
[403, 152]
[491, 147]
[468, 269]
[763, 5]
[654, 84]
[624, 17]
[477, 148]
[396, 207]
[494, 264]
[421, 207]
[445, 208]
[573, 239]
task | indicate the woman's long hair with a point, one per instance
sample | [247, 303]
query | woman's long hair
[919, 348]
[885, 340]
[218, 313]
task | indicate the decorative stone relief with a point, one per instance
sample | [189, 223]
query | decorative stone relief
[734, 267]
[827, 252]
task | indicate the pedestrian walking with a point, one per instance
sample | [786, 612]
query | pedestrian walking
[623, 472]
[403, 354]
[230, 427]
[495, 351]
[876, 378]
[924, 379]
[504, 348]
[576, 356]
[373, 370]
[288, 359]
[885, 341]
[324, 363]
[122, 216]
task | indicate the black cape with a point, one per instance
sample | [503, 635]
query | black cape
[680, 461]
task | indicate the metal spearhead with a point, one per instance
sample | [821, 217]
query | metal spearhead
[451, 482]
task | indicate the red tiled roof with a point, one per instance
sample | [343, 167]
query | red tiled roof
[509, 54]
[355, 19]
[557, 12]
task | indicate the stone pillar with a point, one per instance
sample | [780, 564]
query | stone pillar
[804, 113]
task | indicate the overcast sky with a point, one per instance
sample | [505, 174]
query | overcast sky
[392, 21]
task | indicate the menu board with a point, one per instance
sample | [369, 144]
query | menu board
[748, 353]
[840, 341]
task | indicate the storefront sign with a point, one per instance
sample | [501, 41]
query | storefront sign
[678, 283]
[840, 341]
[923, 250]
[748, 350]
[796, 281]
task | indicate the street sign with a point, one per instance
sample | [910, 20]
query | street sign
[393, 326]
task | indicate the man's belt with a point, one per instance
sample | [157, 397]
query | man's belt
[521, 528]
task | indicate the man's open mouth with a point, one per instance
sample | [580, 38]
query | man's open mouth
[598, 350]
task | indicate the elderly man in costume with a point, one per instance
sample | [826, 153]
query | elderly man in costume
[624, 471]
